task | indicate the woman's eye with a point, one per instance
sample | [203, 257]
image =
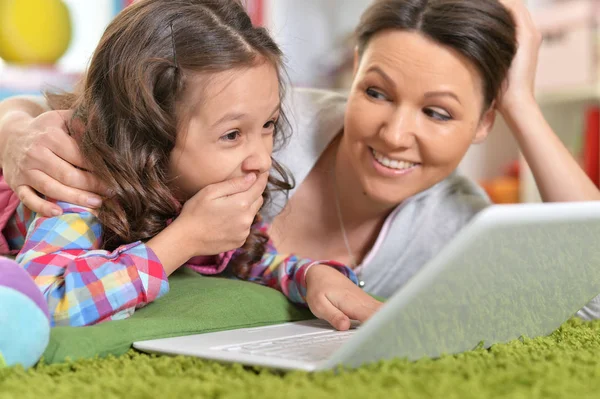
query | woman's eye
[437, 114]
[375, 94]
[232, 136]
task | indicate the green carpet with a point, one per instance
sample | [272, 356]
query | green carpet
[563, 365]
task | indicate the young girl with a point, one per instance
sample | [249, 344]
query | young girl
[177, 117]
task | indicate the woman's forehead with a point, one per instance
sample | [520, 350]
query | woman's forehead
[411, 57]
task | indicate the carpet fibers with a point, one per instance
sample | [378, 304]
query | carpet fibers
[563, 365]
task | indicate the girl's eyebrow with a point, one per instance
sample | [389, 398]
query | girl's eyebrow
[277, 109]
[231, 116]
[236, 116]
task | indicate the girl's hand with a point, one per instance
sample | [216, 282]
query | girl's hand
[519, 86]
[38, 154]
[219, 217]
[331, 296]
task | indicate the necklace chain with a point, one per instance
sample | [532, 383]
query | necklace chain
[342, 228]
[338, 207]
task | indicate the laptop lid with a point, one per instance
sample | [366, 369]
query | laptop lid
[515, 270]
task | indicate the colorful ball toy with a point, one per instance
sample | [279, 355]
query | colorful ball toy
[24, 318]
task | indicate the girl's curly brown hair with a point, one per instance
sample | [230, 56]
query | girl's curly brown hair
[126, 108]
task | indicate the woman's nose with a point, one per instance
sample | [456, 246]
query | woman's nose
[400, 130]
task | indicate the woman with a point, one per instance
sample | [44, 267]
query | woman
[376, 183]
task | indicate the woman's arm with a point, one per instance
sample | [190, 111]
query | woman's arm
[36, 153]
[15, 112]
[557, 174]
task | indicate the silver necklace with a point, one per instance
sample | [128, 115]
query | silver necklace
[353, 262]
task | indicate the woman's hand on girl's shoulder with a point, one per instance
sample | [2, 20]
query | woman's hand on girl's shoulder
[39, 156]
[331, 296]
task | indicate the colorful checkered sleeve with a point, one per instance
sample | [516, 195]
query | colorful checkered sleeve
[82, 284]
[287, 273]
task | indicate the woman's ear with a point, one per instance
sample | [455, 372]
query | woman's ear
[486, 124]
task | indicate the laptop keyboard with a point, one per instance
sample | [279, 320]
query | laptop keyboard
[309, 347]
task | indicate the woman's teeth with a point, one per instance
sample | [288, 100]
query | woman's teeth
[392, 163]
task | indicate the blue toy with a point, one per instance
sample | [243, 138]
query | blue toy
[24, 318]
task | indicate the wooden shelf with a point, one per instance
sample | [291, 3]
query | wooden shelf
[572, 95]
[573, 100]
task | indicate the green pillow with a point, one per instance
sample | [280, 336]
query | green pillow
[194, 305]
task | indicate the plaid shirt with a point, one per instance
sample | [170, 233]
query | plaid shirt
[84, 284]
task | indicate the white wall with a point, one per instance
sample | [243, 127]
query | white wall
[89, 19]
[307, 30]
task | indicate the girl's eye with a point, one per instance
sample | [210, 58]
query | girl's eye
[437, 114]
[269, 125]
[232, 136]
[371, 92]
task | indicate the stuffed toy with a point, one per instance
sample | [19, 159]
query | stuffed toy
[24, 318]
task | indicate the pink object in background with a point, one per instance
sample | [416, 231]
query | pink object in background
[256, 10]
[591, 144]
[570, 51]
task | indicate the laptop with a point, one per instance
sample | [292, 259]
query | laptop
[513, 271]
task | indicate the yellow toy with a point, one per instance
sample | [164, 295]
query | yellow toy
[34, 31]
